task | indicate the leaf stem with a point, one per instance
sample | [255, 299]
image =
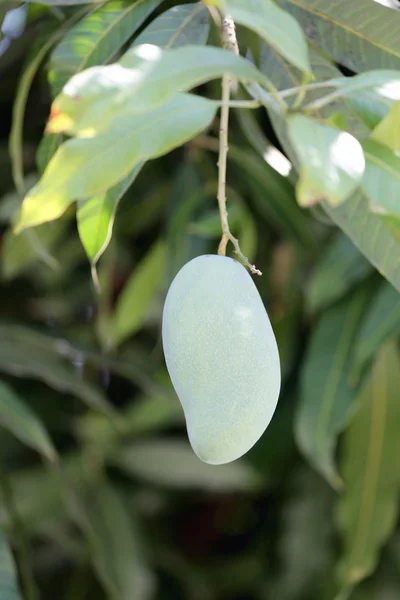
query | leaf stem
[17, 528]
[229, 42]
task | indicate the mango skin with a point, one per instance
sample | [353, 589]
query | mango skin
[222, 357]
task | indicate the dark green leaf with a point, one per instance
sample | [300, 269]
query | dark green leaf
[8, 576]
[341, 267]
[17, 417]
[367, 510]
[327, 398]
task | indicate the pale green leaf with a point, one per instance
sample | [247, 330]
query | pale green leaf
[387, 132]
[178, 26]
[134, 302]
[360, 34]
[331, 161]
[172, 463]
[19, 355]
[381, 323]
[17, 417]
[274, 25]
[97, 38]
[367, 510]
[96, 217]
[46, 150]
[116, 552]
[381, 179]
[82, 168]
[8, 575]
[327, 398]
[145, 78]
[340, 268]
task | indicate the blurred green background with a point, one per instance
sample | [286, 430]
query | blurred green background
[129, 511]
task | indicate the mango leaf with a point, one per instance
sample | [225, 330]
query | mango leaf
[8, 577]
[274, 25]
[46, 150]
[116, 553]
[327, 398]
[377, 239]
[381, 323]
[96, 217]
[361, 34]
[19, 356]
[18, 418]
[178, 26]
[145, 78]
[331, 161]
[340, 269]
[381, 180]
[82, 168]
[387, 132]
[133, 304]
[97, 38]
[367, 509]
[173, 464]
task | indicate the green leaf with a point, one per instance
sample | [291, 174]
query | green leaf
[96, 217]
[360, 34]
[326, 396]
[8, 577]
[381, 180]
[145, 78]
[116, 553]
[381, 323]
[367, 510]
[46, 150]
[173, 464]
[18, 418]
[82, 168]
[331, 161]
[274, 25]
[96, 39]
[133, 304]
[340, 268]
[179, 26]
[387, 132]
[19, 355]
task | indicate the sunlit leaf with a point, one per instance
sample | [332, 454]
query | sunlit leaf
[387, 132]
[173, 464]
[327, 397]
[8, 574]
[381, 180]
[331, 161]
[133, 304]
[367, 510]
[82, 168]
[17, 417]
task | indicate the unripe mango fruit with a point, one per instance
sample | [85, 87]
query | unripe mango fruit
[222, 357]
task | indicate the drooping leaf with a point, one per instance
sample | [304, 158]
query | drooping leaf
[97, 38]
[139, 291]
[8, 577]
[360, 34]
[178, 26]
[327, 397]
[381, 179]
[145, 78]
[387, 131]
[381, 323]
[172, 463]
[367, 509]
[19, 356]
[17, 417]
[82, 168]
[116, 551]
[341, 267]
[96, 217]
[331, 161]
[274, 25]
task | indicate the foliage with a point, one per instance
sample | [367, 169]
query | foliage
[101, 495]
